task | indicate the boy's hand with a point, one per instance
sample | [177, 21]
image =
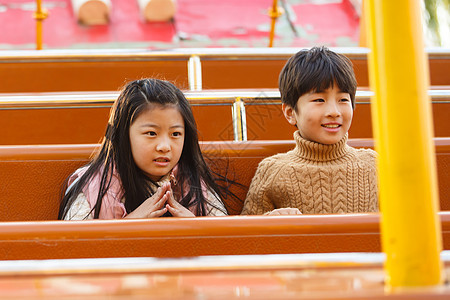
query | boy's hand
[284, 211]
[176, 209]
[154, 206]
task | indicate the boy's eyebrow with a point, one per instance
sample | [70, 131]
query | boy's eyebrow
[323, 91]
[312, 92]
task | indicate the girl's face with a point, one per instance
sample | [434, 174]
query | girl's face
[322, 117]
[157, 138]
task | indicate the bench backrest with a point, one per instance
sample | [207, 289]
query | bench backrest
[103, 70]
[32, 176]
[178, 237]
[84, 116]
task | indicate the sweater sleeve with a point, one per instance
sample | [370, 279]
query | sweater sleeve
[258, 200]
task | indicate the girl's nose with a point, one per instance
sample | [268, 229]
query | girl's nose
[163, 145]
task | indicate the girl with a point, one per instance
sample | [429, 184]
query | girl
[149, 164]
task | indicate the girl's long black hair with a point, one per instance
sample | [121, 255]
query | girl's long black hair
[115, 152]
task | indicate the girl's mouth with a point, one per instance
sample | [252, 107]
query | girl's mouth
[161, 160]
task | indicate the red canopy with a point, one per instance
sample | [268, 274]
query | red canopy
[198, 23]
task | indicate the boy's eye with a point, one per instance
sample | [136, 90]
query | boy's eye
[345, 100]
[319, 100]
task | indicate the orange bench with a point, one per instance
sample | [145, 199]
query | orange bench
[75, 118]
[331, 276]
[32, 176]
[175, 237]
[265, 120]
[103, 70]
[81, 118]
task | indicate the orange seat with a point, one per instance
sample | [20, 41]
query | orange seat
[32, 176]
[182, 237]
[103, 70]
[81, 117]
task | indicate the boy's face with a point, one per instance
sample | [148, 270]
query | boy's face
[322, 117]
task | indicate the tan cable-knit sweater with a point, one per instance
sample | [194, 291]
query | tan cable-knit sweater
[315, 178]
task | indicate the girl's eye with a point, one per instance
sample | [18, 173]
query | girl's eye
[177, 133]
[151, 133]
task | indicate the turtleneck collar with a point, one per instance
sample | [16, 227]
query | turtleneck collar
[319, 152]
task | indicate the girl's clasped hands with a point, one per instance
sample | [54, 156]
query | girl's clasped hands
[160, 203]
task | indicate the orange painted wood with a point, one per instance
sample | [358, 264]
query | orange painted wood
[84, 119]
[65, 74]
[32, 176]
[178, 237]
[181, 237]
[52, 119]
[51, 71]
[266, 121]
[314, 276]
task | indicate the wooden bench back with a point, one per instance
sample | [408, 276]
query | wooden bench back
[32, 176]
[178, 237]
[75, 118]
[103, 70]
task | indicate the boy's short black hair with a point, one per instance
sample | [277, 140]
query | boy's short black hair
[315, 70]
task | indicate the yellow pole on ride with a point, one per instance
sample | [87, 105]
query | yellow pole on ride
[274, 13]
[40, 15]
[362, 27]
[411, 234]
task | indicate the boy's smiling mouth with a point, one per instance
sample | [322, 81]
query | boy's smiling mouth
[331, 126]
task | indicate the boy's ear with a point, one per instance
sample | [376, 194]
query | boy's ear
[288, 112]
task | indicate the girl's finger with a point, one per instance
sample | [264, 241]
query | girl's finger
[171, 209]
[158, 213]
[179, 211]
[171, 200]
[160, 191]
[156, 196]
[162, 200]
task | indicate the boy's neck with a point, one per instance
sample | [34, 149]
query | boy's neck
[320, 152]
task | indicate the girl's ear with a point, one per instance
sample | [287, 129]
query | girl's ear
[289, 112]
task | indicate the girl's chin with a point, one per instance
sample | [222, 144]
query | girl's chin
[154, 177]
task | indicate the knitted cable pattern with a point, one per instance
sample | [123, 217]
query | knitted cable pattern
[317, 179]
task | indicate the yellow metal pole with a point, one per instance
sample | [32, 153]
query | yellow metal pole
[411, 234]
[40, 16]
[274, 13]
[362, 27]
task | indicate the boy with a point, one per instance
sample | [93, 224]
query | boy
[322, 175]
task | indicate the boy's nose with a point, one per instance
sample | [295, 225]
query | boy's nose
[333, 110]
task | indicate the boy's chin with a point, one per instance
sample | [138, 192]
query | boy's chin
[330, 140]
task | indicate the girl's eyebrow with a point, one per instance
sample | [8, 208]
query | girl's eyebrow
[150, 125]
[177, 126]
[157, 126]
